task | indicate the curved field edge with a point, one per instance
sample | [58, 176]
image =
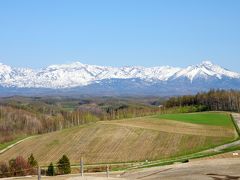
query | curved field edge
[107, 143]
[5, 146]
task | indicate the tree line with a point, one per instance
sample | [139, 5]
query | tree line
[213, 100]
[19, 120]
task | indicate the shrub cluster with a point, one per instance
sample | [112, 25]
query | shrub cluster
[22, 167]
[63, 167]
[18, 167]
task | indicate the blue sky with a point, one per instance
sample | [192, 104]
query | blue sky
[120, 32]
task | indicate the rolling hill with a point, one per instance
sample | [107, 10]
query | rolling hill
[127, 140]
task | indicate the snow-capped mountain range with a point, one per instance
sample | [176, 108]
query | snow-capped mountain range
[84, 76]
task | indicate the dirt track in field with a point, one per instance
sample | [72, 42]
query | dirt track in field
[236, 117]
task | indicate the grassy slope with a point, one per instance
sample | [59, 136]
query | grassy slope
[4, 145]
[137, 139]
[209, 118]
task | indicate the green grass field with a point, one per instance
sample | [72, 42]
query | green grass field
[209, 118]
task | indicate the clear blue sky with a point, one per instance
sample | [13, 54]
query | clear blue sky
[36, 33]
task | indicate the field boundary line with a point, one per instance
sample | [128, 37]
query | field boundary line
[14, 144]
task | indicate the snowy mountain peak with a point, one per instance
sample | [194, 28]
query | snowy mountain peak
[62, 66]
[205, 70]
[4, 69]
[207, 63]
[77, 74]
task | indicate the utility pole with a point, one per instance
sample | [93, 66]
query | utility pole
[107, 171]
[39, 173]
[81, 166]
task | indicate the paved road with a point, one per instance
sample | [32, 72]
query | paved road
[219, 148]
[93, 178]
[236, 117]
[220, 169]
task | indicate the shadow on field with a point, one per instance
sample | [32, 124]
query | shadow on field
[223, 177]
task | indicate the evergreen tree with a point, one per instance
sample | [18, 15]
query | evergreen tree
[50, 170]
[32, 161]
[64, 165]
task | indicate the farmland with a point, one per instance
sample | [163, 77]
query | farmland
[128, 140]
[208, 118]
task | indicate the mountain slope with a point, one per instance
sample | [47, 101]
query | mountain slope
[92, 79]
[76, 74]
[205, 70]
